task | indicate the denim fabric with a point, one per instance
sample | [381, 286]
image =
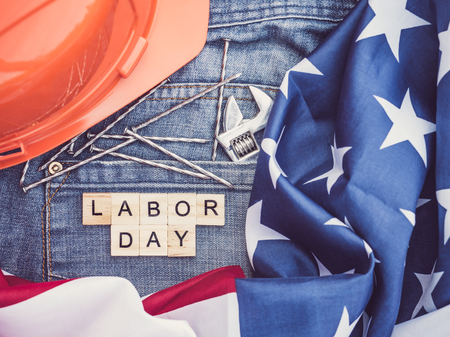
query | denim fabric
[41, 233]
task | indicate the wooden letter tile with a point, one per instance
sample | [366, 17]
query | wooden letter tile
[153, 208]
[125, 209]
[153, 240]
[96, 209]
[181, 240]
[125, 240]
[182, 208]
[211, 209]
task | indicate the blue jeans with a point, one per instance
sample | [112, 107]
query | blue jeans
[41, 233]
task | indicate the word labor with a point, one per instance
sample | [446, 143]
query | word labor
[153, 224]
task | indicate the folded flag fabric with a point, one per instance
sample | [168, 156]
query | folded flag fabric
[347, 227]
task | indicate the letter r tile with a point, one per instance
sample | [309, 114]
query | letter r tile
[211, 209]
[125, 209]
[96, 209]
[125, 240]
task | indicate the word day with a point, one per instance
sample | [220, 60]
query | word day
[153, 224]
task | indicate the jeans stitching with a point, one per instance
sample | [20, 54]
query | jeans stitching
[205, 86]
[43, 235]
[49, 199]
[185, 98]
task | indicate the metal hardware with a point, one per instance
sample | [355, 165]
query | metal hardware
[238, 139]
[161, 139]
[193, 98]
[77, 165]
[219, 102]
[177, 157]
[56, 155]
[24, 172]
[244, 145]
[151, 163]
[54, 167]
[122, 116]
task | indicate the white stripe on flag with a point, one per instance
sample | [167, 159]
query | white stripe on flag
[93, 306]
[217, 316]
[436, 324]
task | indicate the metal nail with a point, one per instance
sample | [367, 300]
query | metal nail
[161, 139]
[184, 161]
[24, 172]
[219, 102]
[193, 98]
[77, 165]
[151, 163]
[122, 116]
[71, 150]
[56, 155]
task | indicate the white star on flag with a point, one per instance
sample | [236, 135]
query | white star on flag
[411, 216]
[323, 271]
[443, 198]
[444, 47]
[304, 66]
[337, 170]
[337, 222]
[391, 17]
[406, 126]
[345, 328]
[269, 146]
[428, 283]
[255, 231]
[422, 201]
[366, 323]
[368, 249]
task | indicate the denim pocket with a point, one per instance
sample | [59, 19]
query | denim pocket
[75, 250]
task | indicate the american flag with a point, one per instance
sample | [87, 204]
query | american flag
[347, 227]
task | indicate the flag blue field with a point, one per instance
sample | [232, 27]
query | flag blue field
[347, 227]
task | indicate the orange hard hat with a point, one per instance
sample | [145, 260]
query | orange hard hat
[67, 64]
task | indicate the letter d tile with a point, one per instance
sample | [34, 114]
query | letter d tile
[125, 240]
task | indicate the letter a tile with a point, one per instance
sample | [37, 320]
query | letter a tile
[96, 209]
[153, 240]
[125, 209]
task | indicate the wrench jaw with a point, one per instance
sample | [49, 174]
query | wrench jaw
[238, 140]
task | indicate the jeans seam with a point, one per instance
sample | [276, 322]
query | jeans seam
[48, 204]
[283, 17]
[186, 98]
[206, 86]
[43, 234]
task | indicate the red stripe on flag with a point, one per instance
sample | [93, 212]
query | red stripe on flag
[212, 284]
[13, 289]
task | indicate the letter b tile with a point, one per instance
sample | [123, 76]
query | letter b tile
[153, 208]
